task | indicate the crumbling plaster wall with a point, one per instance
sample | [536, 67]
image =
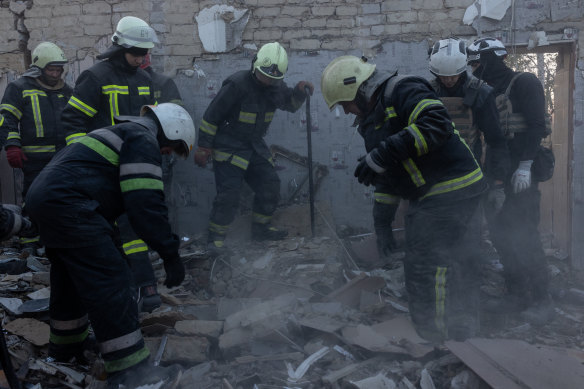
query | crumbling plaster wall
[393, 33]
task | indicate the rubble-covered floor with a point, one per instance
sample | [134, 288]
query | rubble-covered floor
[305, 313]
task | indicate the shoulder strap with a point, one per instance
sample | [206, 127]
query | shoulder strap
[391, 83]
[515, 77]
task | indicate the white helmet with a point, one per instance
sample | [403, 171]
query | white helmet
[342, 78]
[176, 124]
[134, 32]
[484, 46]
[448, 57]
[48, 53]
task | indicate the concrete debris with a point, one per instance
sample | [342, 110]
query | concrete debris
[299, 314]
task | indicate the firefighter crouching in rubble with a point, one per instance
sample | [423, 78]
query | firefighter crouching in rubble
[514, 230]
[32, 107]
[118, 86]
[427, 163]
[232, 131]
[75, 202]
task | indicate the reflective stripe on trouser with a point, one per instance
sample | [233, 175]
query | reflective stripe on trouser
[136, 251]
[260, 175]
[437, 257]
[96, 281]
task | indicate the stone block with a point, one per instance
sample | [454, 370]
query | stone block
[370, 20]
[266, 12]
[178, 18]
[206, 328]
[260, 312]
[426, 16]
[402, 17]
[102, 21]
[36, 23]
[415, 28]
[296, 34]
[305, 44]
[345, 10]
[37, 12]
[295, 10]
[67, 10]
[396, 5]
[96, 8]
[323, 11]
[370, 8]
[340, 23]
[267, 35]
[182, 349]
[287, 22]
[314, 23]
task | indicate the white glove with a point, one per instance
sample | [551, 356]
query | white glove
[521, 179]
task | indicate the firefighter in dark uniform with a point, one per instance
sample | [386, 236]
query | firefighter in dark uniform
[165, 91]
[427, 163]
[75, 201]
[232, 131]
[117, 86]
[32, 107]
[515, 229]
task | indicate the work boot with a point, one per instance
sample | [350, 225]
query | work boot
[145, 373]
[217, 248]
[540, 313]
[67, 353]
[261, 232]
[148, 298]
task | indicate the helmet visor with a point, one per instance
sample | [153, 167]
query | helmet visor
[271, 71]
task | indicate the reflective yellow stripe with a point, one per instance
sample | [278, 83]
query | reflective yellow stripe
[135, 246]
[247, 117]
[208, 128]
[414, 172]
[440, 290]
[39, 149]
[422, 105]
[65, 325]
[220, 156]
[144, 90]
[419, 141]
[269, 117]
[218, 228]
[113, 91]
[74, 137]
[455, 184]
[262, 219]
[36, 109]
[240, 162]
[390, 113]
[80, 105]
[68, 339]
[141, 183]
[13, 135]
[12, 109]
[1, 120]
[126, 362]
[95, 145]
[34, 239]
[140, 168]
[385, 198]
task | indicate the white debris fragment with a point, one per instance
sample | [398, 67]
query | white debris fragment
[295, 375]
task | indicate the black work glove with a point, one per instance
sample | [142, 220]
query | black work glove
[175, 272]
[369, 167]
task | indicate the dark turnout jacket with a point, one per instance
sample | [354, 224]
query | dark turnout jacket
[88, 185]
[237, 119]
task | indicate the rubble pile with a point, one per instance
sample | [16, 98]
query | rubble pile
[304, 313]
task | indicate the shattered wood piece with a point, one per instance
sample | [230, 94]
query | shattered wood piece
[12, 305]
[379, 381]
[40, 294]
[32, 330]
[43, 278]
[226, 384]
[35, 265]
[322, 323]
[407, 383]
[426, 381]
[396, 305]
[344, 352]
[296, 374]
[155, 329]
[170, 299]
[35, 306]
[168, 318]
[72, 375]
[160, 350]
[514, 364]
[336, 375]
[276, 357]
[40, 365]
[350, 293]
[207, 328]
[260, 312]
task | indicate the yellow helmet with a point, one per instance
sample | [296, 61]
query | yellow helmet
[134, 32]
[47, 53]
[342, 78]
[271, 60]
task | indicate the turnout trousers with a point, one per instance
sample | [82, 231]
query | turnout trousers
[442, 268]
[94, 285]
[262, 178]
[516, 237]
